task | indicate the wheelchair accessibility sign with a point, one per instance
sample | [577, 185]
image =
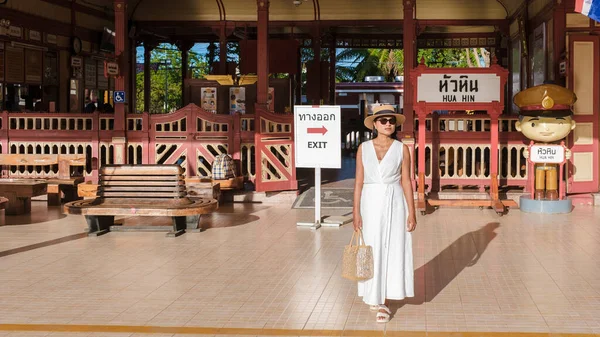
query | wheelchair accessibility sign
[119, 97]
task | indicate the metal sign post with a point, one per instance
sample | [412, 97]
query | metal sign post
[318, 197]
[318, 144]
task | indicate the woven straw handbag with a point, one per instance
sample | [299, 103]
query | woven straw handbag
[358, 259]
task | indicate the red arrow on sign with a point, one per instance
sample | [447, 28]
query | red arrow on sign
[322, 130]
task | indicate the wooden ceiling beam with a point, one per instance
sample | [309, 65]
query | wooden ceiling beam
[431, 23]
[49, 26]
[82, 9]
[322, 23]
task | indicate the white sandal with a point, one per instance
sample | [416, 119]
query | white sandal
[374, 307]
[383, 317]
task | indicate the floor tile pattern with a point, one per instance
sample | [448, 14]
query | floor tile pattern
[253, 268]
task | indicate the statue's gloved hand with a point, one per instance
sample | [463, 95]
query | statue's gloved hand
[526, 153]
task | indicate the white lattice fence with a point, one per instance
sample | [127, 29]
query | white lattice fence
[248, 155]
[105, 154]
[135, 154]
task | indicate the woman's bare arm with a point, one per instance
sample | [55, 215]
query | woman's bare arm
[407, 186]
[358, 186]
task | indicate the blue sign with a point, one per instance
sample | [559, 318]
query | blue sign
[119, 97]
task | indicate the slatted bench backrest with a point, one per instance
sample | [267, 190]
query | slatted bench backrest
[142, 184]
[64, 161]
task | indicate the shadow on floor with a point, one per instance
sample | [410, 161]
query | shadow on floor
[43, 244]
[435, 275]
[228, 215]
[226, 220]
[39, 213]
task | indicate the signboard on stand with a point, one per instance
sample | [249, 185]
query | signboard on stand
[458, 88]
[318, 144]
[318, 136]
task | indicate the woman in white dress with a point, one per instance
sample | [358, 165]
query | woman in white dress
[384, 209]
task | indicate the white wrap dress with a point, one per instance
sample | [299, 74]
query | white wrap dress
[384, 213]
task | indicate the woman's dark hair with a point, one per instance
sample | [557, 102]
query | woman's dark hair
[375, 133]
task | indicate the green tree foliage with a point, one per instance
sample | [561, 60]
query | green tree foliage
[165, 78]
[233, 54]
[454, 57]
[356, 63]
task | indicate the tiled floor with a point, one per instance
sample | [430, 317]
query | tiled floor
[253, 268]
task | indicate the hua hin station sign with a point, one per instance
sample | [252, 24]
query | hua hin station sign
[458, 88]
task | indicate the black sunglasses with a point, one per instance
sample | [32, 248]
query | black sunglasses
[384, 121]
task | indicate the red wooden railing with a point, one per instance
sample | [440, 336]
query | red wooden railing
[456, 145]
[190, 137]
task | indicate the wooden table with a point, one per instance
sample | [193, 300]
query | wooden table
[19, 193]
[65, 183]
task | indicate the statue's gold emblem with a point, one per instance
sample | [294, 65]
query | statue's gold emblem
[547, 102]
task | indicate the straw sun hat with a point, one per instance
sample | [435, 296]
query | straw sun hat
[379, 110]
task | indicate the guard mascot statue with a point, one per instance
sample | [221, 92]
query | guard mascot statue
[546, 117]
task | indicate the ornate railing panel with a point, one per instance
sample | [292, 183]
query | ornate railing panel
[274, 153]
[469, 164]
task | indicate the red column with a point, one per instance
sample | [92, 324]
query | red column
[422, 114]
[409, 63]
[236, 149]
[121, 36]
[494, 114]
[148, 46]
[298, 78]
[185, 48]
[262, 86]
[184, 74]
[211, 57]
[262, 67]
[559, 42]
[222, 49]
[332, 61]
[95, 147]
[316, 42]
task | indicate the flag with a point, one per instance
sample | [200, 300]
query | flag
[590, 8]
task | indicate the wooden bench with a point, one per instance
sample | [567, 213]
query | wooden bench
[144, 190]
[201, 188]
[195, 187]
[65, 183]
[236, 183]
